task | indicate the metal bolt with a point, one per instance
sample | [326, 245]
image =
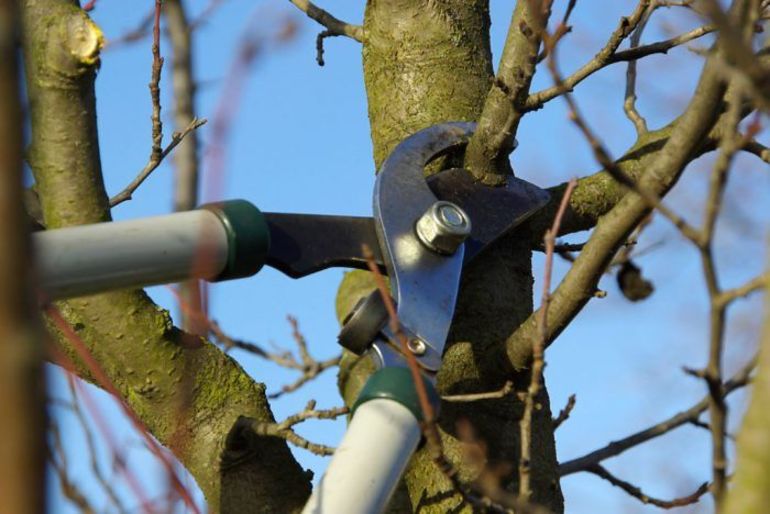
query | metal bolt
[416, 346]
[443, 227]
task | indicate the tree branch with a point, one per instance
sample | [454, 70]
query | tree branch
[615, 448]
[334, 26]
[486, 156]
[640, 495]
[186, 160]
[134, 341]
[155, 161]
[610, 233]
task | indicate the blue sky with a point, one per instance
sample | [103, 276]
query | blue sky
[300, 143]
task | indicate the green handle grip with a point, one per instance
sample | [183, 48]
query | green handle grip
[248, 237]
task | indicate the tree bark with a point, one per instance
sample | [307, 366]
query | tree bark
[22, 385]
[750, 492]
[187, 392]
[427, 62]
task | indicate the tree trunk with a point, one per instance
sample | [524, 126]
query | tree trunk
[427, 62]
[186, 391]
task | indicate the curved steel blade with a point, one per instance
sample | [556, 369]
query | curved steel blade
[424, 284]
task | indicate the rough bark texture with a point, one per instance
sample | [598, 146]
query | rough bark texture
[427, 62]
[750, 493]
[22, 397]
[143, 354]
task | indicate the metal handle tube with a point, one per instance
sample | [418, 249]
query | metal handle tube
[220, 241]
[369, 461]
[75, 261]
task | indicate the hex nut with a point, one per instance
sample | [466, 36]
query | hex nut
[443, 227]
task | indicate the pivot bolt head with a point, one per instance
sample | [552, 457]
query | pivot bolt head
[443, 227]
[417, 346]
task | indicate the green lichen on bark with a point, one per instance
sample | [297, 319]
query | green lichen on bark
[750, 492]
[183, 388]
[427, 62]
[424, 62]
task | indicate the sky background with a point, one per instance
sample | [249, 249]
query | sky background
[299, 142]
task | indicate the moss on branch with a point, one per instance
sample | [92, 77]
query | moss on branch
[186, 391]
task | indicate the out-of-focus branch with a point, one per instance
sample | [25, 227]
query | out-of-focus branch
[186, 157]
[758, 149]
[22, 381]
[486, 156]
[90, 444]
[58, 460]
[615, 448]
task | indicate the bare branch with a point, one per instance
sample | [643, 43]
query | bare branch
[157, 66]
[285, 431]
[486, 156]
[629, 104]
[661, 47]
[687, 134]
[334, 26]
[758, 149]
[176, 138]
[615, 448]
[538, 347]
[186, 161]
[637, 493]
[755, 284]
[625, 27]
[565, 412]
[307, 365]
[474, 397]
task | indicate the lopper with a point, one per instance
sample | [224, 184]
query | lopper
[422, 234]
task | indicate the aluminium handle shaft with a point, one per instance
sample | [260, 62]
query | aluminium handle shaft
[217, 242]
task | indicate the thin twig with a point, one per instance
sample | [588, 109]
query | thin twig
[306, 364]
[333, 25]
[474, 397]
[640, 495]
[629, 104]
[176, 138]
[565, 412]
[285, 431]
[755, 284]
[611, 166]
[625, 27]
[157, 67]
[660, 47]
[538, 361]
[758, 149]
